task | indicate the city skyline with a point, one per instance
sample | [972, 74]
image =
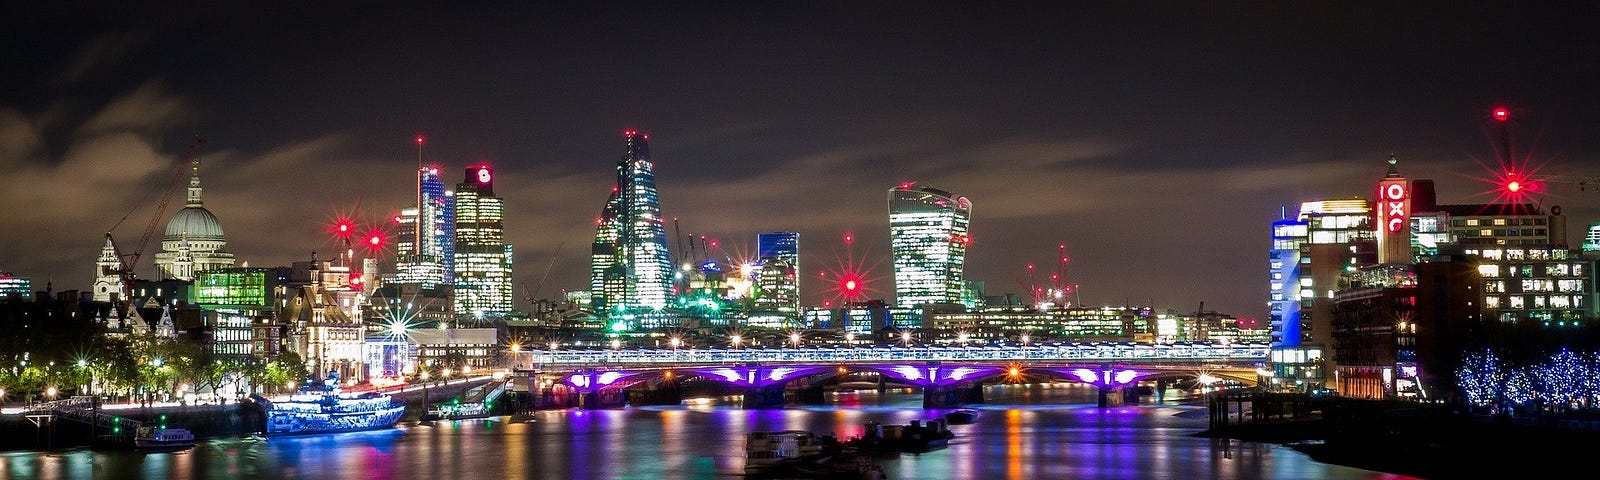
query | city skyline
[1056, 134]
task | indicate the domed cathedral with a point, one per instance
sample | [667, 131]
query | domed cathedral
[193, 242]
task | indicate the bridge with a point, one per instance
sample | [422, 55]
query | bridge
[947, 375]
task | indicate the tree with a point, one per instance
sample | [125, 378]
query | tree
[1480, 377]
[1560, 380]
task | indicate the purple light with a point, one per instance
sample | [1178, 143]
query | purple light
[779, 373]
[608, 377]
[1125, 376]
[1087, 375]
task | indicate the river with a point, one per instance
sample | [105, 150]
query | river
[1024, 432]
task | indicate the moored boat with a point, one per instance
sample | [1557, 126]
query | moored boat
[328, 411]
[163, 439]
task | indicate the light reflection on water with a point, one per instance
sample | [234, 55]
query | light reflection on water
[1026, 432]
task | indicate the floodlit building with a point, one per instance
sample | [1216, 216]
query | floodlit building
[425, 249]
[630, 269]
[193, 241]
[482, 257]
[778, 280]
[928, 238]
[235, 299]
[14, 286]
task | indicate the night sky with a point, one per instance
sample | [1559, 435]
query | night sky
[1157, 143]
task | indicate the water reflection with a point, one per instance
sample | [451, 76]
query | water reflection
[1026, 432]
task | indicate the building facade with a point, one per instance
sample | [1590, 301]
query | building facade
[425, 250]
[928, 237]
[482, 258]
[630, 269]
[193, 241]
[778, 280]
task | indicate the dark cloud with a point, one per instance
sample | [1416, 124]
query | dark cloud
[1156, 143]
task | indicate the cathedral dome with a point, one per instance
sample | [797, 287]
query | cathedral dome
[198, 222]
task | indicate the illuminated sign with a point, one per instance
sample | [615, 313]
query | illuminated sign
[1392, 206]
[483, 175]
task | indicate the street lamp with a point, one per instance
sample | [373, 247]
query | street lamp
[850, 338]
[675, 342]
[616, 344]
[1024, 339]
[735, 340]
[794, 339]
[51, 392]
[905, 337]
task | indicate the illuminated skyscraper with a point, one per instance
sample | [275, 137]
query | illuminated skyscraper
[482, 257]
[427, 233]
[1284, 304]
[630, 269]
[778, 283]
[928, 237]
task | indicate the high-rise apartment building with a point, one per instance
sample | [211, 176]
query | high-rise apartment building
[630, 268]
[482, 258]
[928, 238]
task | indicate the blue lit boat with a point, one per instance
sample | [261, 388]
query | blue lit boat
[328, 411]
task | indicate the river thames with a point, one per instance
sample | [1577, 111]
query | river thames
[1024, 432]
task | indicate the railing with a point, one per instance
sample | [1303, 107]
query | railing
[1129, 352]
[80, 409]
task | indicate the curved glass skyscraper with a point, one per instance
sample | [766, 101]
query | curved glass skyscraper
[928, 236]
[630, 270]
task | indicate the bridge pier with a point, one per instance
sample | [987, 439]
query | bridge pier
[950, 396]
[811, 395]
[604, 398]
[764, 397]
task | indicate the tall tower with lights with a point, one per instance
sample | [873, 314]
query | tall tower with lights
[1393, 216]
[482, 259]
[630, 268]
[426, 247]
[928, 237]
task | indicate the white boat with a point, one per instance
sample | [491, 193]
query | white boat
[158, 438]
[765, 450]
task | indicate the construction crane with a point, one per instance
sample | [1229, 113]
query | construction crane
[131, 259]
[538, 287]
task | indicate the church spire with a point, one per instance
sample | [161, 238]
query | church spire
[194, 182]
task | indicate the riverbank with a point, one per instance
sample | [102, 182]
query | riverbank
[1425, 441]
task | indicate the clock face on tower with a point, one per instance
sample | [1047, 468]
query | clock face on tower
[483, 175]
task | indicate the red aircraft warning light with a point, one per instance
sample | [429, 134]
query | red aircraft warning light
[1513, 186]
[1501, 114]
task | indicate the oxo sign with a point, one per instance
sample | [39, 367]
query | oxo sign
[1392, 206]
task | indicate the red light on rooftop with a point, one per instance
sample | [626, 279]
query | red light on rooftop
[849, 238]
[906, 185]
[419, 139]
[1514, 186]
[1501, 114]
[375, 240]
[397, 219]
